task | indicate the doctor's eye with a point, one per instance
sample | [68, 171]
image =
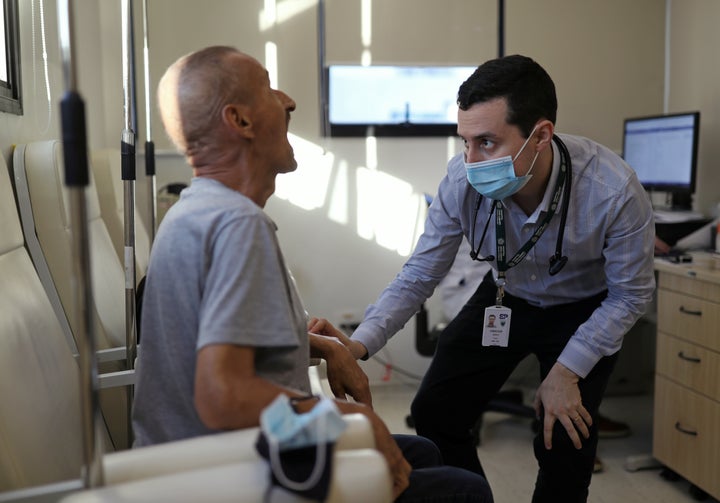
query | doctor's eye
[486, 144]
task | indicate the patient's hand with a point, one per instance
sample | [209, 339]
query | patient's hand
[345, 376]
[385, 443]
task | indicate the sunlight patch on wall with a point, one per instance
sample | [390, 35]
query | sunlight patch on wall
[271, 63]
[277, 12]
[366, 32]
[387, 210]
[339, 200]
[452, 146]
[371, 161]
[366, 23]
[307, 186]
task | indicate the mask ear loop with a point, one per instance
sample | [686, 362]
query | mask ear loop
[532, 165]
[318, 468]
[525, 144]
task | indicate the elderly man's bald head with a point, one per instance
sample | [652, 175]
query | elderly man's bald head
[194, 90]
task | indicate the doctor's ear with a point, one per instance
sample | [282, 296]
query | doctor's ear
[544, 132]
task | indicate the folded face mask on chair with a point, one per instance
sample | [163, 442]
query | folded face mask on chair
[300, 446]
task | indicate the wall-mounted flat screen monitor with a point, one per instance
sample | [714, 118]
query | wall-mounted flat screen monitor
[393, 100]
[662, 149]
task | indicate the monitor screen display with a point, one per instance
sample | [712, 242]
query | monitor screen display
[394, 100]
[662, 150]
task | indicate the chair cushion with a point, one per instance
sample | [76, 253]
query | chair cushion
[40, 438]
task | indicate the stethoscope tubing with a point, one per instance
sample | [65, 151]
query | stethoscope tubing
[558, 260]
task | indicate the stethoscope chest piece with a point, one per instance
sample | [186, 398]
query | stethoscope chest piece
[557, 262]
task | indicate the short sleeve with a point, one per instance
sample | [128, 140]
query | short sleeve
[245, 298]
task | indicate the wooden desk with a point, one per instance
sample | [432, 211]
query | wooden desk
[686, 424]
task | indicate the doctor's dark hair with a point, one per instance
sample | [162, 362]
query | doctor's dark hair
[526, 86]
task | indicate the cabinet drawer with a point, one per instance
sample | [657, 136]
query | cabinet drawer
[686, 434]
[689, 318]
[689, 364]
[690, 285]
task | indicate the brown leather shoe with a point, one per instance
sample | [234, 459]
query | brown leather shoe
[598, 466]
[607, 428]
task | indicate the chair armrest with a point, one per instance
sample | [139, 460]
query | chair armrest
[212, 450]
[358, 476]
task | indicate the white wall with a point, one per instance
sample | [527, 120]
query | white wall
[600, 80]
[695, 85]
[607, 59]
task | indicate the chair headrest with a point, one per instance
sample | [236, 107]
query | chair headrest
[43, 161]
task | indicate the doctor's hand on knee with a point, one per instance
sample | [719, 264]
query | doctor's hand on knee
[559, 397]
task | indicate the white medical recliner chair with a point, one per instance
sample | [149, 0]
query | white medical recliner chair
[226, 467]
[45, 213]
[359, 476]
[40, 441]
[40, 432]
[106, 167]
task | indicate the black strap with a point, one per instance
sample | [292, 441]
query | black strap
[500, 245]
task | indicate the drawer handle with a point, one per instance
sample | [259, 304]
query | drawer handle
[683, 430]
[688, 358]
[688, 311]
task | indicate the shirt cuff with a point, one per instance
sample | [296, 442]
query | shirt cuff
[578, 358]
[367, 339]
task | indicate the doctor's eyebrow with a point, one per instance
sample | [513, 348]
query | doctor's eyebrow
[480, 136]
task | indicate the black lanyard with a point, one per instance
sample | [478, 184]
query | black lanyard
[500, 248]
[558, 260]
[500, 244]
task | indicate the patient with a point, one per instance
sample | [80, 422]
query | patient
[224, 330]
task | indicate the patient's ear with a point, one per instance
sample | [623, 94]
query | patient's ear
[238, 119]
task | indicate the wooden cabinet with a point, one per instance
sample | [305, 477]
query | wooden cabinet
[686, 421]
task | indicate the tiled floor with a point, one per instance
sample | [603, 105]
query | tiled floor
[506, 451]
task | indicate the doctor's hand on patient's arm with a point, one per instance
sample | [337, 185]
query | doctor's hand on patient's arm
[345, 376]
[559, 396]
[324, 327]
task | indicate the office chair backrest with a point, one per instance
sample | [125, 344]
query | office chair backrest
[40, 439]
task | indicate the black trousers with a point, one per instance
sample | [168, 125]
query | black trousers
[464, 375]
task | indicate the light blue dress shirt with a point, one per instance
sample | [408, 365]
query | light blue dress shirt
[609, 241]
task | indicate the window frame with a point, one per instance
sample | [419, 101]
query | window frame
[11, 91]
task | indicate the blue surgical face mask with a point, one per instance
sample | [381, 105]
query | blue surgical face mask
[495, 178]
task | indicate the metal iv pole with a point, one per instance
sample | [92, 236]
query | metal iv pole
[75, 158]
[127, 153]
[149, 145]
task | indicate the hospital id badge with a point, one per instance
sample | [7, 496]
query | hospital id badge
[496, 326]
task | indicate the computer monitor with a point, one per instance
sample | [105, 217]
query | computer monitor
[393, 100]
[662, 149]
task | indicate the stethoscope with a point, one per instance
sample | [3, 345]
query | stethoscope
[563, 184]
